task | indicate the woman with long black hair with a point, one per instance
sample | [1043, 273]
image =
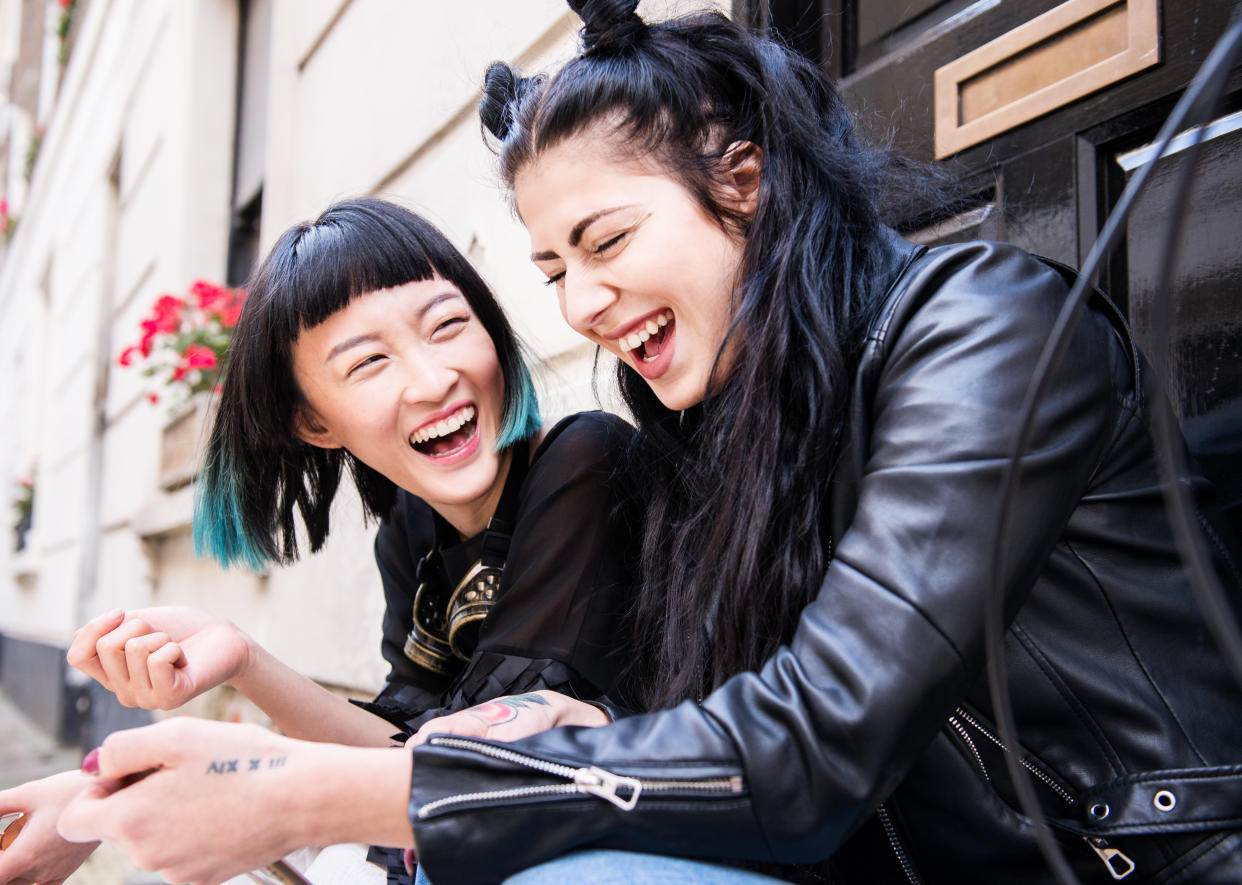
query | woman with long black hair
[826, 412]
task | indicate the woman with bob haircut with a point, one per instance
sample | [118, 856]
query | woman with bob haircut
[825, 415]
[369, 344]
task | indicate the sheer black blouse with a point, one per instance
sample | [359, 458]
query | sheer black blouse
[558, 621]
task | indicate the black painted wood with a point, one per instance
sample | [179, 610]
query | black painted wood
[1055, 179]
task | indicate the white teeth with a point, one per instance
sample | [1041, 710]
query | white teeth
[443, 427]
[635, 339]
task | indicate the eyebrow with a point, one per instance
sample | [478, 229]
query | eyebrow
[367, 337]
[576, 232]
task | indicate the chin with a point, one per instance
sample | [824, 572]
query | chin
[678, 400]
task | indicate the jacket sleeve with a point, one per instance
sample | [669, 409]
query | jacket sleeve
[781, 764]
[556, 624]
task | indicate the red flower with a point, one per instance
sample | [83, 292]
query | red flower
[4, 206]
[167, 312]
[209, 296]
[198, 356]
[153, 398]
[231, 314]
[127, 355]
[150, 328]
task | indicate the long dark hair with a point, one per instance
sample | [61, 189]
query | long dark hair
[256, 470]
[736, 539]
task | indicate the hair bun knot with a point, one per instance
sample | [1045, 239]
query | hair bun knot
[608, 24]
[503, 90]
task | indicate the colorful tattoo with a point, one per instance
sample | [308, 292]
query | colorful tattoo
[504, 710]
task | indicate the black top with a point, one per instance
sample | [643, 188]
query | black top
[557, 622]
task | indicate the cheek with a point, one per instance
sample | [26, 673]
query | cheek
[488, 378]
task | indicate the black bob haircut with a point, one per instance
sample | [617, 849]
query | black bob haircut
[256, 469]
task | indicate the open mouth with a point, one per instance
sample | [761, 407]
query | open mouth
[648, 341]
[448, 435]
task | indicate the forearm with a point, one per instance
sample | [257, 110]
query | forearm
[301, 708]
[191, 780]
[353, 794]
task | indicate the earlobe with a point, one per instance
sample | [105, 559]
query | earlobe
[742, 168]
[307, 428]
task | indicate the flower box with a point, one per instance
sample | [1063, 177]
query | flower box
[183, 439]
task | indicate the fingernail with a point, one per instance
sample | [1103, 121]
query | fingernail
[90, 764]
[408, 857]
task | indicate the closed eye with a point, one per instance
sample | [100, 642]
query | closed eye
[555, 278]
[448, 324]
[362, 364]
[609, 243]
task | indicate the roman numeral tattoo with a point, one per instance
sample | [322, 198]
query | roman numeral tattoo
[232, 766]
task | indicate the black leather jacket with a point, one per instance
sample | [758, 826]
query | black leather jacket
[1118, 691]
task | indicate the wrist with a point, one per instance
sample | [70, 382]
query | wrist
[256, 661]
[351, 794]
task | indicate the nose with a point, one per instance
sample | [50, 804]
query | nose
[426, 380]
[586, 297]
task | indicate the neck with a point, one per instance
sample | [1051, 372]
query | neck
[472, 518]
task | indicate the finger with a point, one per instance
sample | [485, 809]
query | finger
[463, 723]
[82, 655]
[162, 670]
[81, 820]
[13, 800]
[126, 754]
[137, 654]
[111, 651]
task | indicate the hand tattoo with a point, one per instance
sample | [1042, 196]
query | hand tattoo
[233, 766]
[504, 710]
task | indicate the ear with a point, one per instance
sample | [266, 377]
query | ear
[741, 167]
[307, 428]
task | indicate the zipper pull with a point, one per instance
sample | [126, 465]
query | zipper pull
[1119, 866]
[604, 784]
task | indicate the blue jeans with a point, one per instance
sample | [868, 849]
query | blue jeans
[603, 867]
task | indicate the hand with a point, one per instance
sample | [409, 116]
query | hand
[39, 854]
[159, 658]
[512, 717]
[194, 801]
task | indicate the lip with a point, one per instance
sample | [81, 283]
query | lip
[468, 449]
[657, 367]
[622, 331]
[437, 417]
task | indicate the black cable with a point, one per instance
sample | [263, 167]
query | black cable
[1199, 99]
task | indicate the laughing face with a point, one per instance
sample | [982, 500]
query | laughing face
[639, 267]
[407, 379]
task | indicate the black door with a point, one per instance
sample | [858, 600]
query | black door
[1046, 179]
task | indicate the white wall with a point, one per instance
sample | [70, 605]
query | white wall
[131, 198]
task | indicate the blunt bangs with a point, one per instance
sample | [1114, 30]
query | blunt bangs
[257, 471]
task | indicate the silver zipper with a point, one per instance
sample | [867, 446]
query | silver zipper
[898, 849]
[1026, 763]
[1118, 864]
[620, 790]
[961, 730]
